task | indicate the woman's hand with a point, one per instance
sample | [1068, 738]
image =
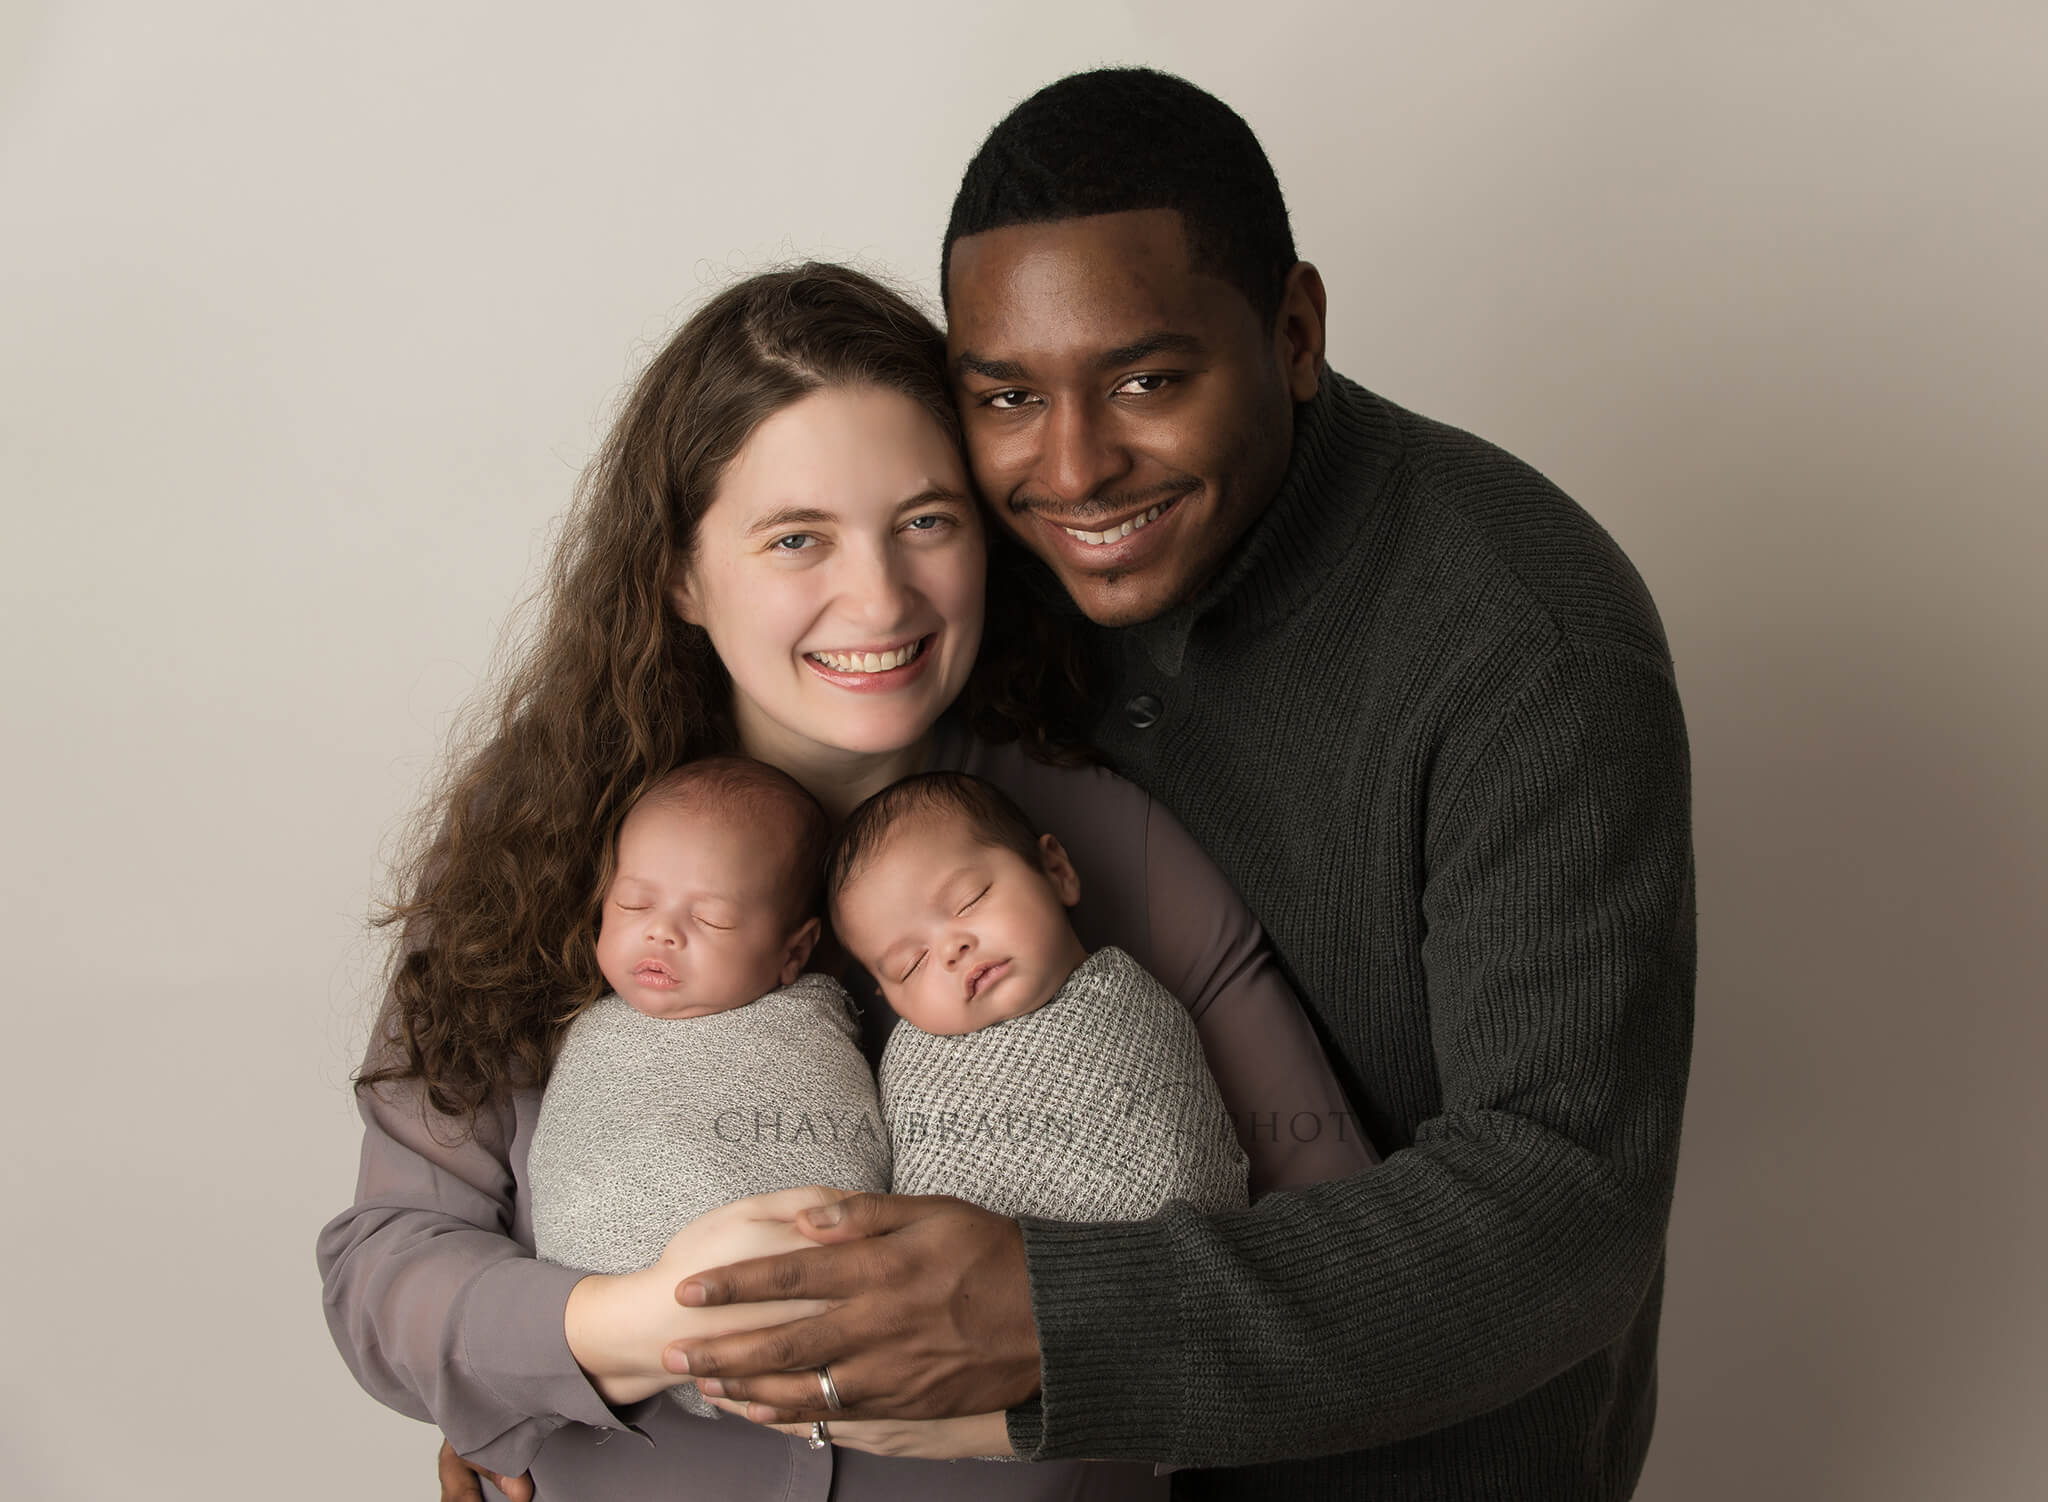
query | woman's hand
[978, 1435]
[617, 1325]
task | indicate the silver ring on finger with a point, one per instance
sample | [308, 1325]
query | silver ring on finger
[820, 1436]
[829, 1389]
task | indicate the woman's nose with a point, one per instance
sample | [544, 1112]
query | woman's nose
[878, 594]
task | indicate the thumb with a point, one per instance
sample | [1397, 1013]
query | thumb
[860, 1215]
[516, 1488]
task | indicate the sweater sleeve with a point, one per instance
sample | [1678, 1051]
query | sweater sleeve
[437, 1310]
[1290, 1113]
[1520, 1231]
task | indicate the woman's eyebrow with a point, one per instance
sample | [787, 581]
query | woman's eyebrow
[929, 494]
[789, 516]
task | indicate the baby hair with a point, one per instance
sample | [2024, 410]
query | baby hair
[989, 813]
[759, 795]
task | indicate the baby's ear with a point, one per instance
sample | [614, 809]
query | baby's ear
[1066, 882]
[798, 954]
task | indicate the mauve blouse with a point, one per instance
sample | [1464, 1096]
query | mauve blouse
[438, 1305]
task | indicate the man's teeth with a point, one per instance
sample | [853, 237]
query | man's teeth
[1114, 534]
[867, 662]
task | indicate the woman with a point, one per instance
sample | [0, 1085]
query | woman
[777, 552]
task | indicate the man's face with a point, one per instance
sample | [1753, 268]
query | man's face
[1127, 417]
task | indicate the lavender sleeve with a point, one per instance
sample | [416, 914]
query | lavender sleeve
[432, 1292]
[1292, 1116]
[1147, 887]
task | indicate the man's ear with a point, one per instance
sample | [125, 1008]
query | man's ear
[1066, 882]
[798, 954]
[1300, 331]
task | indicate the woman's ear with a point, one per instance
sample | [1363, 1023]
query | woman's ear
[1052, 857]
[798, 954]
[682, 598]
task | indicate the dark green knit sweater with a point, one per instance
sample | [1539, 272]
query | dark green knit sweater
[1426, 721]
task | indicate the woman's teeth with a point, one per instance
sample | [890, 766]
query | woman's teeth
[866, 662]
[1114, 534]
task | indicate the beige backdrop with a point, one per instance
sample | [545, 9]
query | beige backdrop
[310, 314]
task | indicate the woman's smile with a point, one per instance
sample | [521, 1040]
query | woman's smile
[871, 667]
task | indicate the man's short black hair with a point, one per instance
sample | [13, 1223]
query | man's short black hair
[1119, 139]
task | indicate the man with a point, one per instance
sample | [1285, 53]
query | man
[1419, 708]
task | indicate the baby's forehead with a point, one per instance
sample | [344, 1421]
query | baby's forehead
[753, 833]
[920, 835]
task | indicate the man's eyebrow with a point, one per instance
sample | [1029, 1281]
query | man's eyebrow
[1163, 342]
[969, 363]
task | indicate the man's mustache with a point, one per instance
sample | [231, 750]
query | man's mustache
[1098, 506]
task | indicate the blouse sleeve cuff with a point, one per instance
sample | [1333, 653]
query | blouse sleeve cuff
[514, 1341]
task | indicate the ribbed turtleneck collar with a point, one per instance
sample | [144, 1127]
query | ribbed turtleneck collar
[1345, 444]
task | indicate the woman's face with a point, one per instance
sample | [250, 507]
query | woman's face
[839, 571]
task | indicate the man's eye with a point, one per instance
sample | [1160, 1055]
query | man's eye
[1143, 385]
[1006, 400]
[795, 542]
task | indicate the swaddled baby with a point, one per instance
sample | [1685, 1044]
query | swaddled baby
[1032, 1077]
[714, 1068]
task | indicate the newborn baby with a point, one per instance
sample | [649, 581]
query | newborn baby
[1033, 1078]
[713, 1069]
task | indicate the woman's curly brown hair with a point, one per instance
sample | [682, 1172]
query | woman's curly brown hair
[507, 864]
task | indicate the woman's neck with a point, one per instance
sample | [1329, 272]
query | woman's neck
[840, 780]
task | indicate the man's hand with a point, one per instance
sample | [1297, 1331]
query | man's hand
[930, 1316]
[458, 1480]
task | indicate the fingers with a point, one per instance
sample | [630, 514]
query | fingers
[857, 1215]
[458, 1477]
[787, 1204]
[814, 1273]
[795, 1349]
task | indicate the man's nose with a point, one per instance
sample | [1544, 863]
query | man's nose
[1081, 455]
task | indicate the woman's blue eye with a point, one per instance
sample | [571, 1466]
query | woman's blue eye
[927, 523]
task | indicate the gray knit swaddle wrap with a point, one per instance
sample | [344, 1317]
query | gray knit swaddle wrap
[648, 1122]
[1097, 1106]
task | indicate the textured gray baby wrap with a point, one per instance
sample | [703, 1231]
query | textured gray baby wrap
[649, 1121]
[1097, 1106]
